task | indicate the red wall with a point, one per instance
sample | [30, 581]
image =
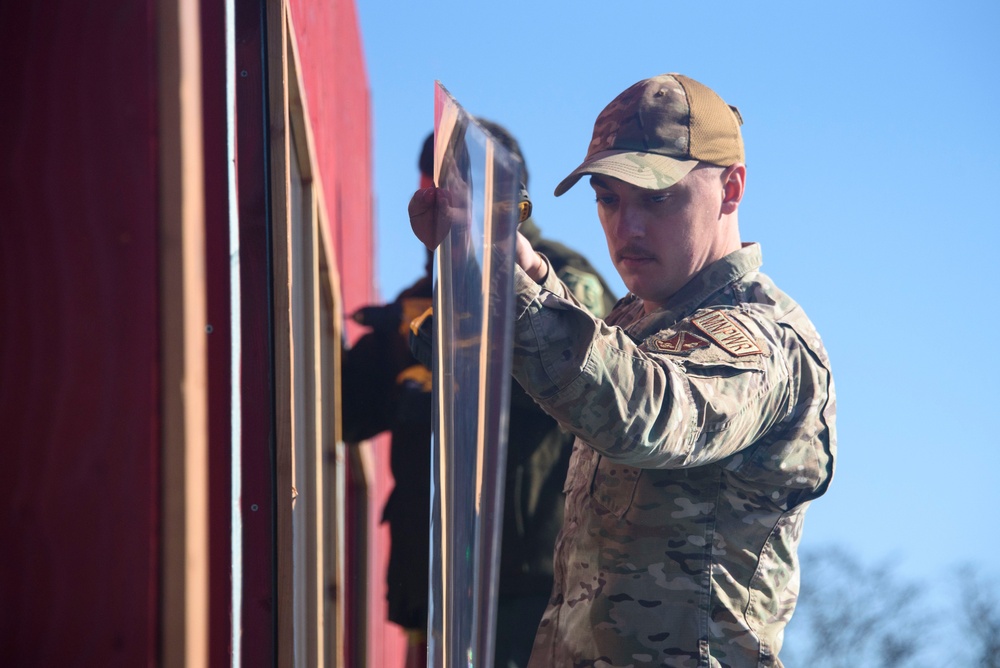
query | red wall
[218, 312]
[336, 83]
[79, 334]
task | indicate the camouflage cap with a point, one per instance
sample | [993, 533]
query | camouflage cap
[657, 130]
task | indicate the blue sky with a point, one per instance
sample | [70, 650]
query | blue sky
[873, 154]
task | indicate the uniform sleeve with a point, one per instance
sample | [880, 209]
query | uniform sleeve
[633, 404]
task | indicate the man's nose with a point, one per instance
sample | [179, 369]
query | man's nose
[628, 224]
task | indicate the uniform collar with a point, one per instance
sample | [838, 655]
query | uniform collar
[704, 284]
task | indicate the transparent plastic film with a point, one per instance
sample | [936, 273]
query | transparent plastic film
[479, 182]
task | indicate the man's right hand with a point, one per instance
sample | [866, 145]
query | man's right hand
[529, 260]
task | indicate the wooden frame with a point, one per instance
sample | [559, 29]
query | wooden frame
[281, 282]
[310, 523]
[322, 605]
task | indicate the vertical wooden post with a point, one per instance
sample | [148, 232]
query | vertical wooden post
[183, 362]
[284, 393]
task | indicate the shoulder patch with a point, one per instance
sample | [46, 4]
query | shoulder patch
[681, 342]
[726, 332]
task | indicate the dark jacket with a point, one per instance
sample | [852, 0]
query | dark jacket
[386, 389]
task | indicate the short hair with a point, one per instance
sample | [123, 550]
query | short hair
[502, 135]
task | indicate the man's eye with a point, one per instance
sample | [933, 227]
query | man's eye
[605, 199]
[659, 198]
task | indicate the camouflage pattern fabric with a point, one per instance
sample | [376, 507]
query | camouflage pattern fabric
[703, 432]
[620, 127]
[573, 269]
[538, 454]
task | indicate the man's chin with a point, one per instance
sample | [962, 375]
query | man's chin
[634, 277]
[634, 286]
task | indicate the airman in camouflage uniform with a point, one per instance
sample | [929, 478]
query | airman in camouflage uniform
[703, 431]
[703, 404]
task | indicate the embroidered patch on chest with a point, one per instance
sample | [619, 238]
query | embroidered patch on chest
[726, 332]
[681, 342]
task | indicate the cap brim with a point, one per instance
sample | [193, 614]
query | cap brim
[643, 170]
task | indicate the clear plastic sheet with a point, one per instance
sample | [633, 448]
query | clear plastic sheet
[473, 311]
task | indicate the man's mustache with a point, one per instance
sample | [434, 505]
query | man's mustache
[632, 252]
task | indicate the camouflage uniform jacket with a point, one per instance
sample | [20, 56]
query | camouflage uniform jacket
[703, 430]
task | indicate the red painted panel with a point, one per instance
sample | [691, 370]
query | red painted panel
[79, 334]
[333, 69]
[257, 504]
[213, 54]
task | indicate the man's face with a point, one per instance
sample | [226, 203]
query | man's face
[659, 239]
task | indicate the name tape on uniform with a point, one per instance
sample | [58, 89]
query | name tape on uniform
[727, 333]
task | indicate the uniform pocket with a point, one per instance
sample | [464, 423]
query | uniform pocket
[723, 389]
[612, 486]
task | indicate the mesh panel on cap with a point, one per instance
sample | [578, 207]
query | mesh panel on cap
[715, 132]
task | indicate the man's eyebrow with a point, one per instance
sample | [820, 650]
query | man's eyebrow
[598, 181]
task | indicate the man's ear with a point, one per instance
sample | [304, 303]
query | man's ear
[734, 178]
